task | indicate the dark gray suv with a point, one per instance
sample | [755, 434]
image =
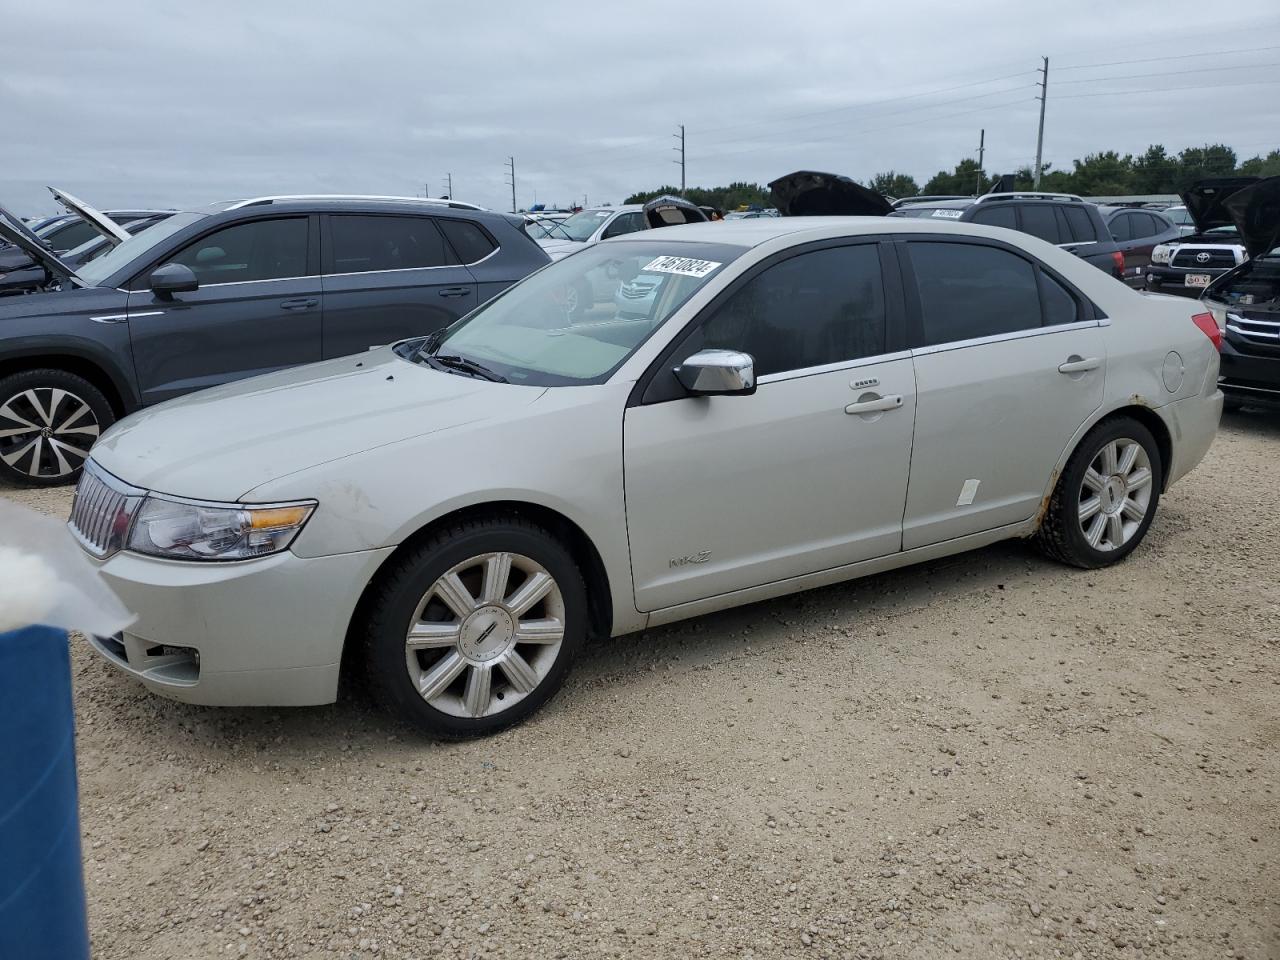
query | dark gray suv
[243, 288]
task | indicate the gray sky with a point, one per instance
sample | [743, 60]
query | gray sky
[132, 103]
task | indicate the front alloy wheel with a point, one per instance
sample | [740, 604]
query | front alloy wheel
[475, 627]
[49, 420]
[485, 635]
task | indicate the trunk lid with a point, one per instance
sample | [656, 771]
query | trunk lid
[669, 211]
[807, 193]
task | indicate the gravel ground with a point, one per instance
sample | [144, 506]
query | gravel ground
[991, 756]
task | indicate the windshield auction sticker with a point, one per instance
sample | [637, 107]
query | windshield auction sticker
[949, 214]
[684, 266]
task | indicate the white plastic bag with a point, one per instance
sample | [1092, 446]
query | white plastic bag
[45, 578]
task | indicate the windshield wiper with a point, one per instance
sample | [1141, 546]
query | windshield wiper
[467, 366]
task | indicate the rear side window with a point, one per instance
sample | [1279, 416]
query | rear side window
[1059, 305]
[1122, 227]
[362, 244]
[1150, 225]
[257, 250]
[816, 308]
[1079, 225]
[1039, 221]
[469, 242]
[969, 291]
[997, 217]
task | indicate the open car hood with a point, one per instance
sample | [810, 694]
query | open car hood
[114, 233]
[807, 193]
[1204, 201]
[19, 234]
[670, 211]
[1255, 211]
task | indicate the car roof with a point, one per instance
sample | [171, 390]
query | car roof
[353, 204]
[754, 232]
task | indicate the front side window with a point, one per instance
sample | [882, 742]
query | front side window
[625, 223]
[364, 244]
[257, 250]
[968, 291]
[132, 251]
[822, 307]
[576, 321]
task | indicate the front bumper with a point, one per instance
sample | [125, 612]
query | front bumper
[1250, 377]
[265, 632]
[1159, 277]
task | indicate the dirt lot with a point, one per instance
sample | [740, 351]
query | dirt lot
[989, 756]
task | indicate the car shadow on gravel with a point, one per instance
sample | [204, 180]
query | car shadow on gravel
[354, 725]
[1260, 421]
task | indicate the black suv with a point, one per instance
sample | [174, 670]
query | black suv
[1060, 218]
[243, 288]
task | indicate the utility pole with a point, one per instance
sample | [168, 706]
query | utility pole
[584, 201]
[982, 150]
[1044, 95]
[449, 179]
[511, 164]
[426, 189]
[680, 136]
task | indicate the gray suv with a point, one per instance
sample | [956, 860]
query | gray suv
[243, 288]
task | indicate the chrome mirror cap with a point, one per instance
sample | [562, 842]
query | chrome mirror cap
[712, 372]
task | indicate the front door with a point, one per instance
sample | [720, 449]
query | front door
[1009, 363]
[388, 278]
[809, 472]
[257, 309]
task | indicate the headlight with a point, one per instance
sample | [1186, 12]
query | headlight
[1160, 253]
[194, 530]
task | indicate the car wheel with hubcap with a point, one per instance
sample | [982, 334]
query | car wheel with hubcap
[1106, 497]
[476, 628]
[49, 419]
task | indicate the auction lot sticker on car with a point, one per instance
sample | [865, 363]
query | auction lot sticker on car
[949, 214]
[685, 266]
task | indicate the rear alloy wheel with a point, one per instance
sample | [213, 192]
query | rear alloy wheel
[49, 420]
[1106, 497]
[475, 629]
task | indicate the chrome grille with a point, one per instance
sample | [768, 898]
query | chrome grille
[102, 510]
[1265, 332]
[1188, 257]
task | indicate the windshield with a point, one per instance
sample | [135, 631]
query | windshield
[104, 266]
[582, 225]
[545, 229]
[577, 320]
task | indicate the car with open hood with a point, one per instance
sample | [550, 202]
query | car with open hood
[1192, 262]
[1246, 299]
[807, 193]
[807, 400]
[205, 297]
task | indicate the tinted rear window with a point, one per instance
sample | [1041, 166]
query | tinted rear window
[1080, 227]
[997, 216]
[1038, 220]
[969, 291]
[367, 243]
[469, 242]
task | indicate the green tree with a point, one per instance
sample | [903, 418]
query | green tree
[726, 198]
[1103, 175]
[966, 180]
[1259, 166]
[1199, 163]
[1154, 172]
[894, 184]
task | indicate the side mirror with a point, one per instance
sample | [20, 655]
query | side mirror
[718, 372]
[172, 278]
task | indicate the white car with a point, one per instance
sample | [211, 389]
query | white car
[591, 226]
[808, 400]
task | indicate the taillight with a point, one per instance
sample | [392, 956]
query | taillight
[1209, 327]
[1117, 260]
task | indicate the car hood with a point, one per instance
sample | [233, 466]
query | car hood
[1255, 211]
[807, 193]
[555, 249]
[221, 443]
[1204, 200]
[114, 233]
[19, 234]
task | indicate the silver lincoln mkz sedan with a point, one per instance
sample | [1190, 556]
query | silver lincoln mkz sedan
[798, 401]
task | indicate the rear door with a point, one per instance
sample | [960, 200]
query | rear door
[257, 309]
[388, 277]
[1142, 231]
[1009, 362]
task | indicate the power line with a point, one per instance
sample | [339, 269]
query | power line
[1207, 86]
[1184, 56]
[1234, 68]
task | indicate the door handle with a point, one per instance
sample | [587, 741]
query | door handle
[299, 303]
[454, 291]
[1077, 364]
[878, 405]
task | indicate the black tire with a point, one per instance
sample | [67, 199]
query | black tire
[389, 610]
[1061, 535]
[50, 455]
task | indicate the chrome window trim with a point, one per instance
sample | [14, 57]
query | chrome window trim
[1014, 335]
[832, 367]
[444, 266]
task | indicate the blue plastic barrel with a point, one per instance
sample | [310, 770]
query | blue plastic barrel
[42, 912]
